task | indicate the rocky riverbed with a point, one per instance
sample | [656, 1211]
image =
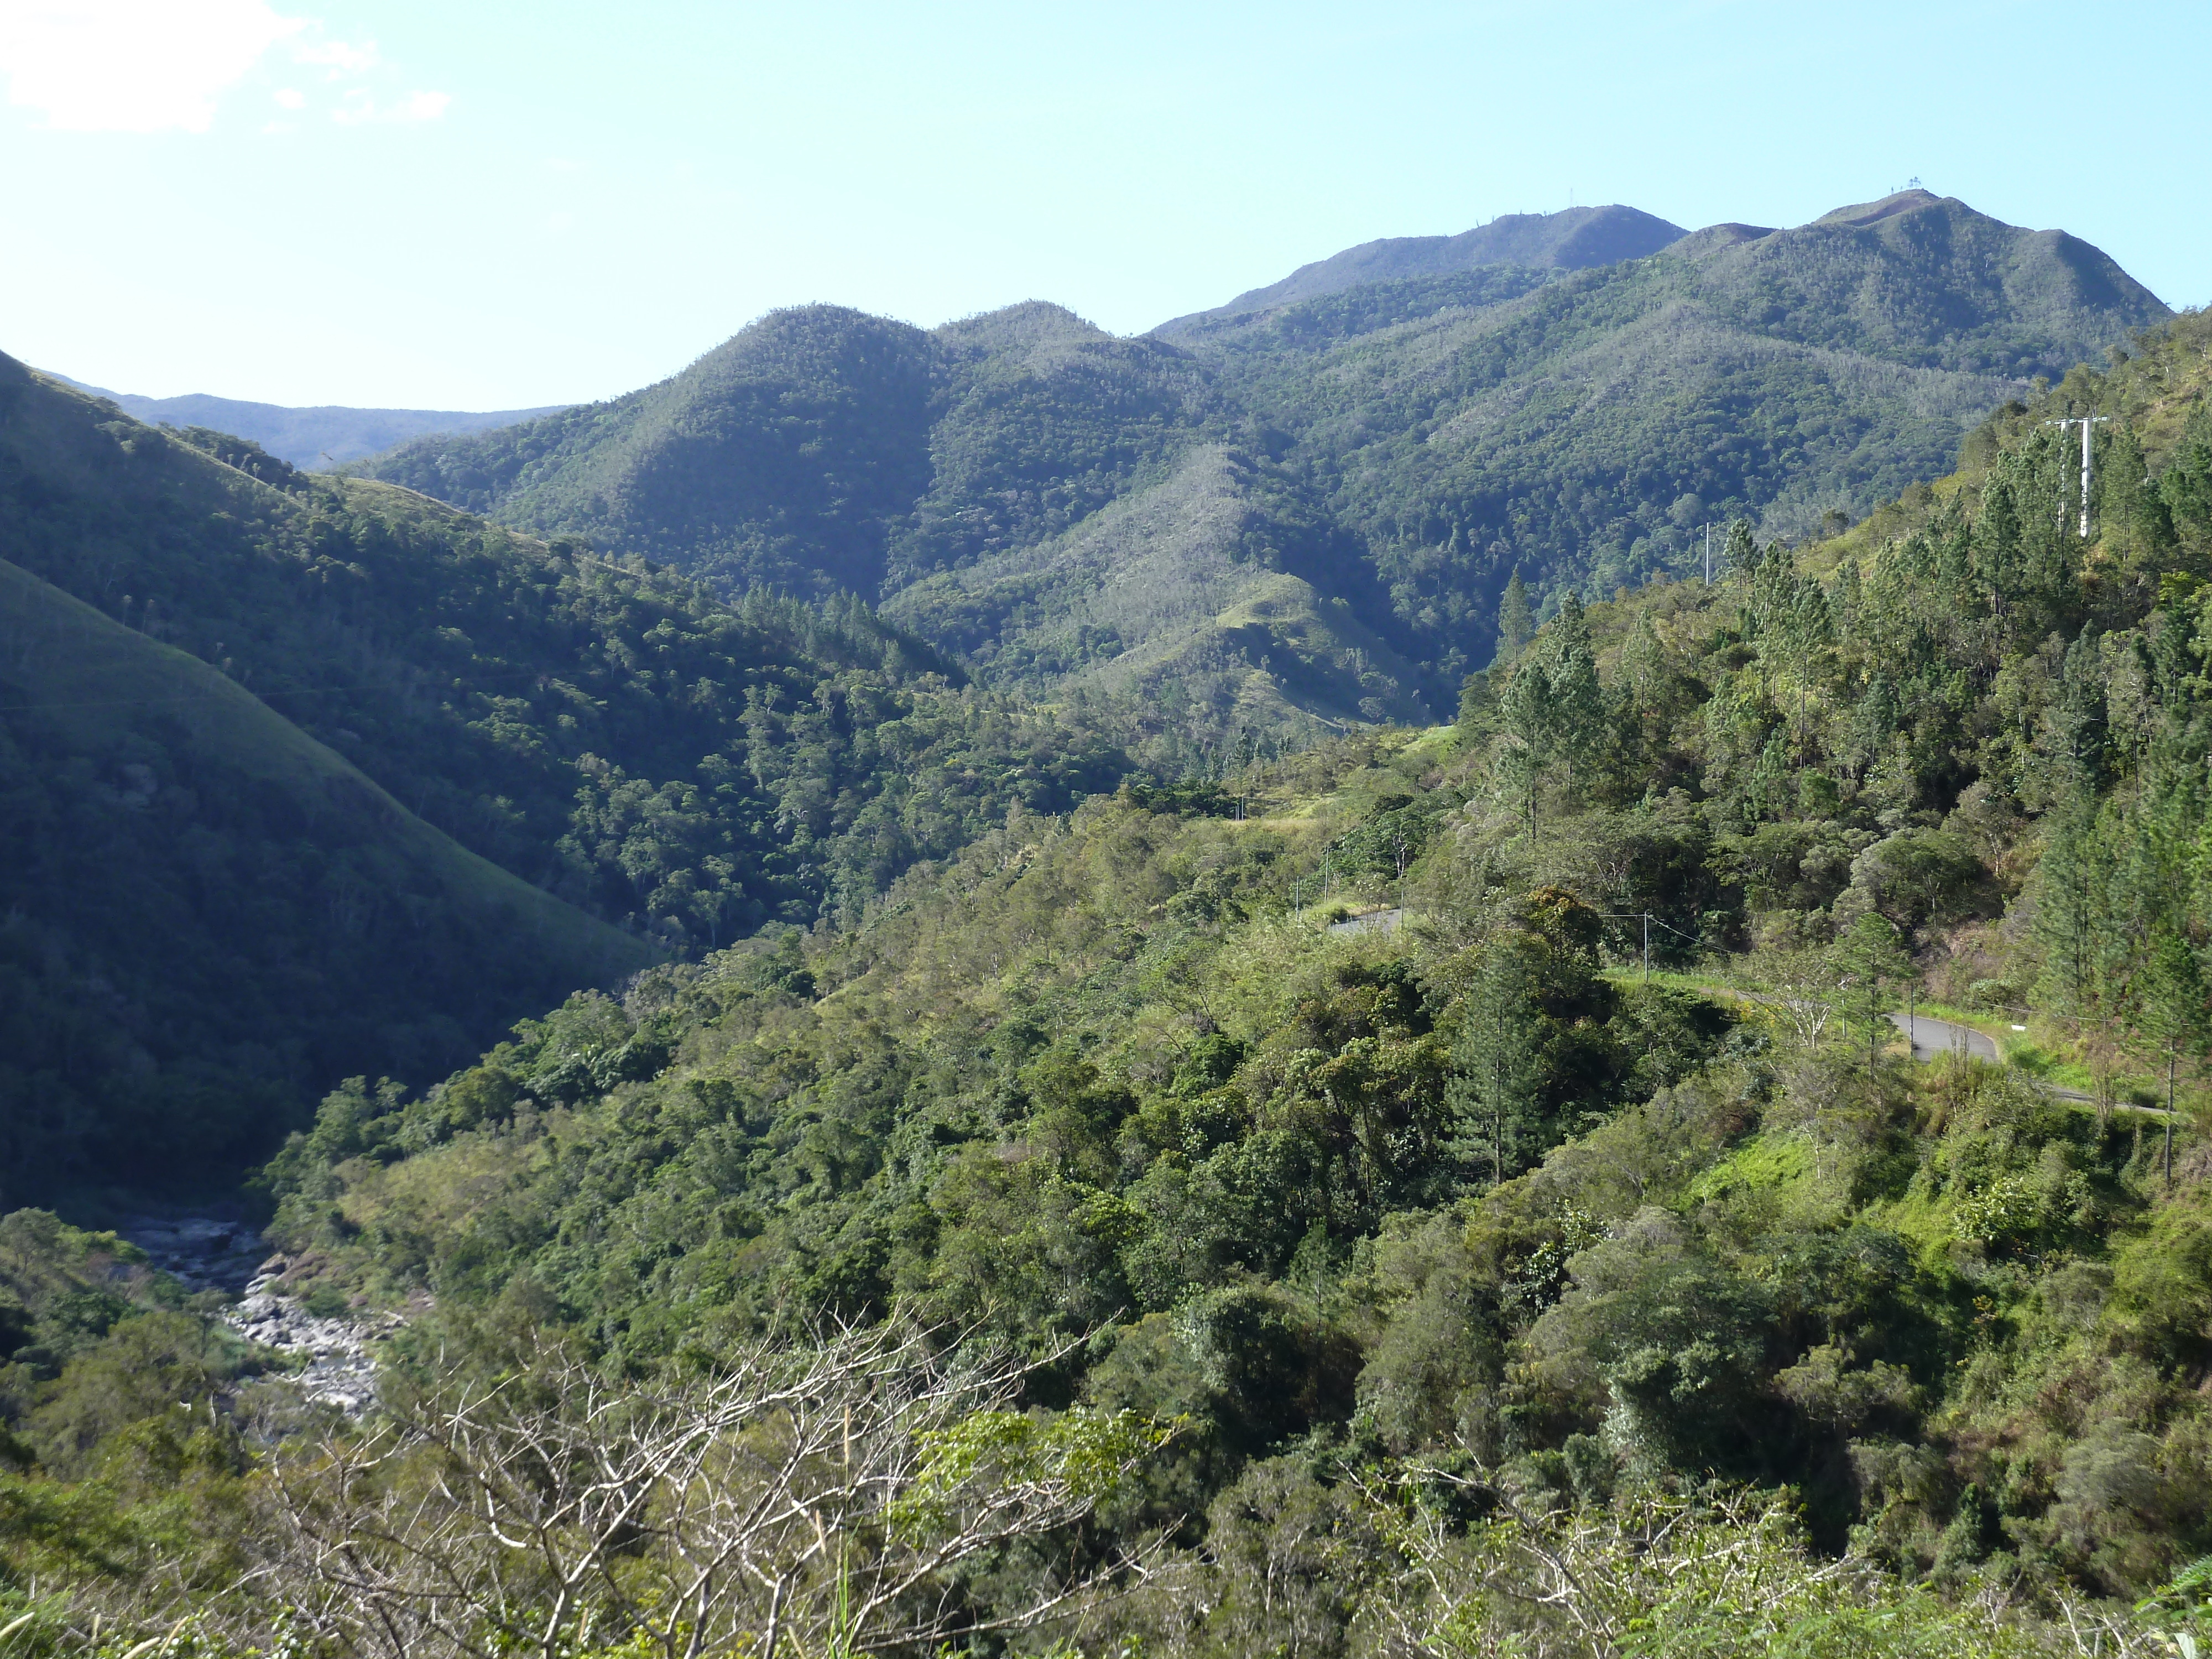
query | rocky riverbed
[340, 1368]
[210, 1253]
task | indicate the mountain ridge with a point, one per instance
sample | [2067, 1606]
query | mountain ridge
[1577, 420]
[1575, 238]
[304, 435]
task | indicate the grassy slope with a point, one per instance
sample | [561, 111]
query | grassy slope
[1175, 595]
[92, 677]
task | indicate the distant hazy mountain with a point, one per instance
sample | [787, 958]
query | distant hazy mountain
[1310, 500]
[1575, 239]
[314, 437]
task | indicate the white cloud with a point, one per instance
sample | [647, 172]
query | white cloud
[132, 65]
[359, 108]
[341, 58]
[291, 98]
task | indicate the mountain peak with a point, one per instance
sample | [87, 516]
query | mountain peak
[1868, 213]
[1574, 239]
[1022, 326]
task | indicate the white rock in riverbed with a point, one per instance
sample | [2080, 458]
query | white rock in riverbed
[341, 1369]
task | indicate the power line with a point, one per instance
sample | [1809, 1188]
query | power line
[1647, 919]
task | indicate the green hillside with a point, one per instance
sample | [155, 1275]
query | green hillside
[824, 451]
[205, 909]
[213, 922]
[1212, 598]
[784, 456]
[1468, 1191]
[1584, 430]
[1574, 396]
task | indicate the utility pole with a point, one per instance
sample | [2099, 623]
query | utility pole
[1497, 1119]
[2085, 421]
[1647, 919]
[2172, 1054]
[1709, 554]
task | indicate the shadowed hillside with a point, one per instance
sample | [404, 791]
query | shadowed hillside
[407, 725]
[206, 911]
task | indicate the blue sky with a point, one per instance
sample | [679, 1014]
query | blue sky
[483, 204]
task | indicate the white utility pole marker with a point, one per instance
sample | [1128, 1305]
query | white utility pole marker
[2085, 421]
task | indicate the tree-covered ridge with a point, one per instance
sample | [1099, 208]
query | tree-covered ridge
[1587, 430]
[1045, 420]
[822, 451]
[1458, 1185]
[783, 457]
[1581, 421]
[1575, 240]
[684, 767]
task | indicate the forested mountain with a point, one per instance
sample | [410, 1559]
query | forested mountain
[1573, 396]
[325, 433]
[784, 455]
[1583, 428]
[1330, 1112]
[271, 735]
[1575, 240]
[1452, 1191]
[826, 451]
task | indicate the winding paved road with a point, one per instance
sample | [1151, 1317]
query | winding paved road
[1932, 1039]
[1373, 921]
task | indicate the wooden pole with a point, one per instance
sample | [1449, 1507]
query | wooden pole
[2170, 1057]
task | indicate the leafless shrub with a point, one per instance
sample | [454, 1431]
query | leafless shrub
[847, 1496]
[1718, 1576]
